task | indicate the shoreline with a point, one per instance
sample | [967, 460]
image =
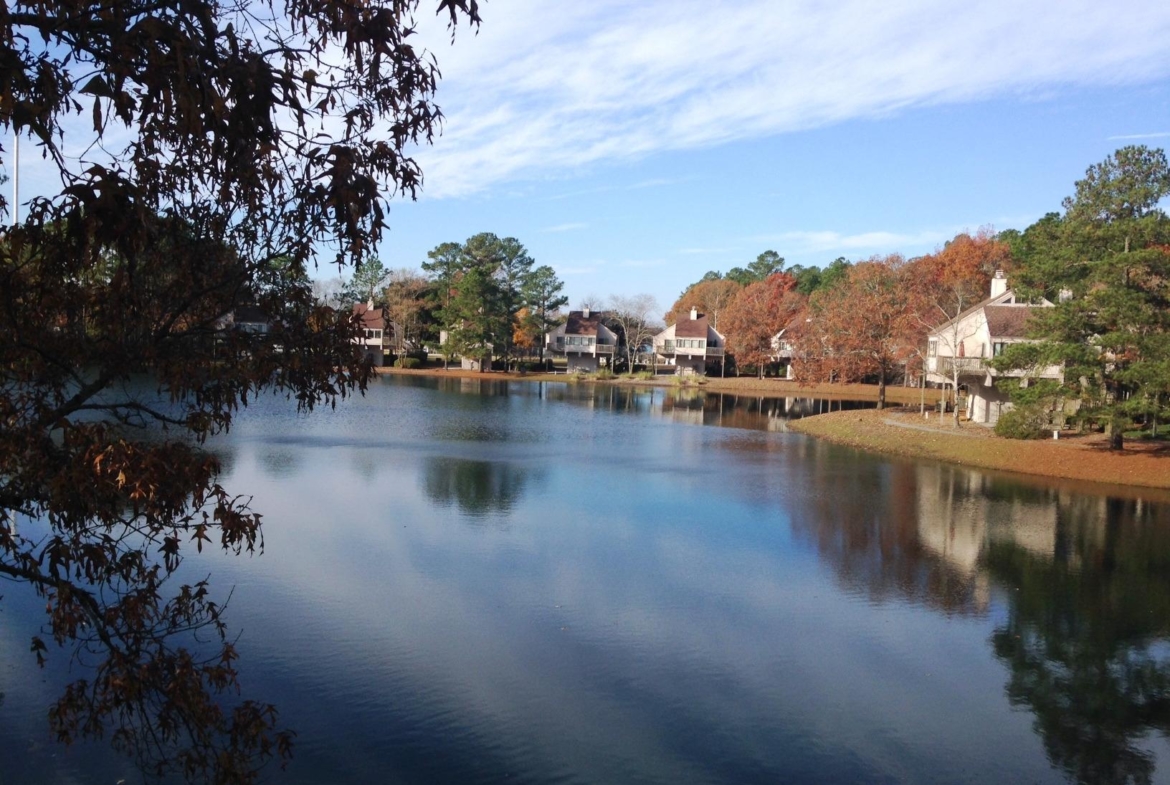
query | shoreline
[1081, 458]
[904, 433]
[769, 387]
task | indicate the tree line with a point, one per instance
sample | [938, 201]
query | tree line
[1104, 263]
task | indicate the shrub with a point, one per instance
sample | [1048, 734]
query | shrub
[407, 362]
[1022, 422]
[604, 374]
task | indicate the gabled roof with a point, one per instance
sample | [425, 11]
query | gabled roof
[1007, 321]
[579, 324]
[996, 303]
[371, 317]
[691, 328]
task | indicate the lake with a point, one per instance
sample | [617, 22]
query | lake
[484, 582]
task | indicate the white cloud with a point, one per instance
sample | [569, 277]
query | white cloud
[656, 182]
[547, 89]
[578, 270]
[1155, 135]
[705, 251]
[567, 227]
[640, 263]
[861, 243]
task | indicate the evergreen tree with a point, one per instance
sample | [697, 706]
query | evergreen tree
[367, 282]
[543, 300]
[443, 265]
[1107, 263]
[477, 319]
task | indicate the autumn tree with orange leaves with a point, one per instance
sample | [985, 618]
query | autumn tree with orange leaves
[865, 327]
[953, 280]
[712, 297]
[756, 315]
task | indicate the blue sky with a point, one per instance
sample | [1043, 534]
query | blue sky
[634, 146]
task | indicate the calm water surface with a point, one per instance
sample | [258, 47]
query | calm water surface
[477, 582]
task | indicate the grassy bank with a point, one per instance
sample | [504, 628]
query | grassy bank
[1074, 457]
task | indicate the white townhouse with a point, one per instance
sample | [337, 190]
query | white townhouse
[584, 341]
[967, 342]
[689, 344]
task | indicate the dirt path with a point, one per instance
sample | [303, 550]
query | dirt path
[902, 422]
[1084, 458]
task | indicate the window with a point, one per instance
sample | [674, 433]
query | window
[997, 348]
[932, 347]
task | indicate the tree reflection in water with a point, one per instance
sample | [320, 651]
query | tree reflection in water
[1085, 637]
[1082, 582]
[869, 530]
[478, 488]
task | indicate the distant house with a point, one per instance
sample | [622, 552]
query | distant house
[967, 342]
[783, 346]
[376, 333]
[584, 341]
[250, 319]
[475, 359]
[689, 344]
[245, 319]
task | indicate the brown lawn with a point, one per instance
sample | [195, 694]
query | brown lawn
[1085, 458]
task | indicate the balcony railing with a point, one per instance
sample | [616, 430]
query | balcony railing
[576, 348]
[964, 365]
[669, 349]
[968, 366]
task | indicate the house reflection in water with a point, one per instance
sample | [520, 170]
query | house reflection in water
[960, 514]
[1075, 588]
[1085, 582]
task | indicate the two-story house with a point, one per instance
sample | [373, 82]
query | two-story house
[784, 346]
[584, 341]
[376, 332]
[690, 344]
[962, 347]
